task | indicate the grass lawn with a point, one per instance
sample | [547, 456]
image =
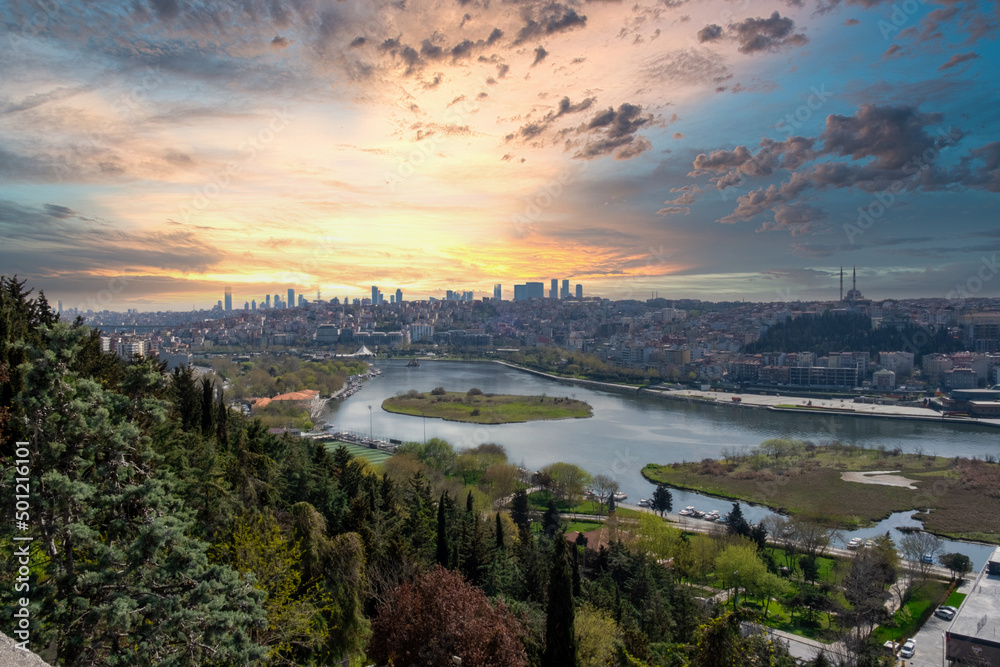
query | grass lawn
[808, 484]
[780, 618]
[825, 563]
[922, 603]
[582, 526]
[539, 501]
[376, 456]
[955, 599]
[486, 408]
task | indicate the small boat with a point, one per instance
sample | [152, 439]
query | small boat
[687, 511]
[723, 519]
[620, 496]
[645, 502]
[869, 544]
[712, 516]
[698, 514]
[413, 364]
[854, 543]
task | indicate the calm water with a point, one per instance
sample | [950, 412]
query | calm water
[627, 431]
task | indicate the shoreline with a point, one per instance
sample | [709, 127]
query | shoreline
[755, 402]
[821, 407]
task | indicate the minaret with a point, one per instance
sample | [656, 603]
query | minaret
[854, 280]
[841, 283]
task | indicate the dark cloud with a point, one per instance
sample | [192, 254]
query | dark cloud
[536, 128]
[56, 239]
[958, 59]
[431, 51]
[494, 36]
[888, 149]
[770, 34]
[710, 33]
[613, 132]
[356, 42]
[280, 42]
[540, 21]
[892, 135]
[462, 50]
[540, 54]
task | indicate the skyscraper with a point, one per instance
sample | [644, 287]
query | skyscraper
[554, 290]
[253, 304]
[534, 290]
[497, 291]
[267, 300]
[277, 301]
[291, 299]
[579, 291]
[399, 295]
[229, 299]
[564, 293]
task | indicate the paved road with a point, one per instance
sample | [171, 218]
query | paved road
[930, 638]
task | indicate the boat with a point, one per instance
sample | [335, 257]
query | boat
[698, 514]
[712, 516]
[413, 364]
[687, 511]
[620, 496]
[854, 543]
[645, 502]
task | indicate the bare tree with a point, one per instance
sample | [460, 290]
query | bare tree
[922, 549]
[811, 538]
[604, 487]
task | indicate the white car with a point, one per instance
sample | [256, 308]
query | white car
[945, 613]
[909, 648]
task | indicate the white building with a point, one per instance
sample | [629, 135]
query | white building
[884, 380]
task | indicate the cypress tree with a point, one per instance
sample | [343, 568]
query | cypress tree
[443, 549]
[520, 510]
[207, 404]
[499, 533]
[576, 571]
[560, 635]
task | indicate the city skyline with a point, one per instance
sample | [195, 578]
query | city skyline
[160, 153]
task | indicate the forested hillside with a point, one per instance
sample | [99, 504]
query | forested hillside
[843, 332]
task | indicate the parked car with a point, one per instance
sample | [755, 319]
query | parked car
[946, 614]
[927, 558]
[909, 648]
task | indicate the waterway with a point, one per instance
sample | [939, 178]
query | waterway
[629, 430]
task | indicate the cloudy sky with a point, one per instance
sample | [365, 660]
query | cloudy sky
[160, 150]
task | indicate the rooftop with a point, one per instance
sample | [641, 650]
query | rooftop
[979, 614]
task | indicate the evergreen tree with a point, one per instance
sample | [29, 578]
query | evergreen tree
[560, 636]
[443, 548]
[520, 511]
[576, 570]
[499, 533]
[663, 501]
[124, 583]
[207, 407]
[738, 525]
[550, 520]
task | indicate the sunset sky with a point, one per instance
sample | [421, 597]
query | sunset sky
[708, 149]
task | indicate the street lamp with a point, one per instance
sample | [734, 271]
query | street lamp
[370, 422]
